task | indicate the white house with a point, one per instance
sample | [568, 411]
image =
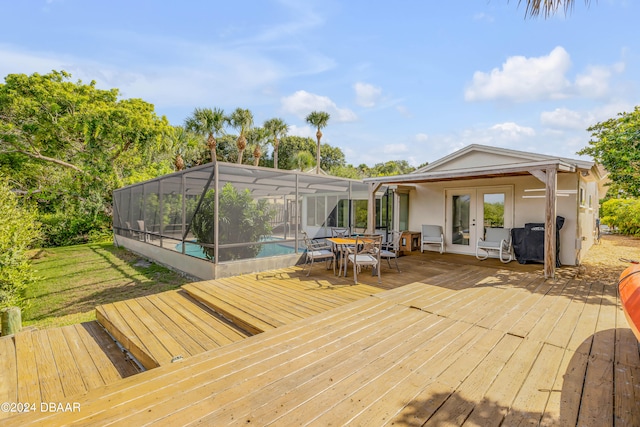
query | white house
[481, 186]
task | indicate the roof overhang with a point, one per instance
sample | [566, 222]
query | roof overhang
[479, 172]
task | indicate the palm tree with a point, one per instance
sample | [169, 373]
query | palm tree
[548, 7]
[207, 122]
[277, 128]
[302, 160]
[319, 119]
[242, 120]
[184, 144]
[257, 137]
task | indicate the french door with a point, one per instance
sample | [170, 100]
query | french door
[469, 211]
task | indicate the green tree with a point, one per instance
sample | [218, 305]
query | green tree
[185, 146]
[302, 160]
[208, 123]
[319, 119]
[622, 215]
[242, 121]
[257, 138]
[277, 128]
[241, 219]
[18, 231]
[290, 146]
[67, 145]
[615, 144]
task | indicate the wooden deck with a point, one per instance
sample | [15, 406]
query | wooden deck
[53, 365]
[477, 345]
[161, 328]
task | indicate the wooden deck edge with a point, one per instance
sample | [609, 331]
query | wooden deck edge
[140, 354]
[229, 313]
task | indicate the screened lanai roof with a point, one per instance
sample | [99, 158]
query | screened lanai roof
[260, 181]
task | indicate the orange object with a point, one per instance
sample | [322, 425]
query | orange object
[629, 288]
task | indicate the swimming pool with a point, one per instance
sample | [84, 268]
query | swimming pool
[266, 250]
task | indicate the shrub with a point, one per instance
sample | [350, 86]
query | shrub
[67, 228]
[18, 230]
[622, 215]
[242, 219]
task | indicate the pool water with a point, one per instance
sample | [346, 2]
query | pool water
[266, 250]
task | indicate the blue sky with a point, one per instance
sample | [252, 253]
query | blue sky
[402, 80]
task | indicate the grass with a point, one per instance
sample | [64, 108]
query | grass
[73, 280]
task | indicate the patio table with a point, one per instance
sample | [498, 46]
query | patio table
[342, 244]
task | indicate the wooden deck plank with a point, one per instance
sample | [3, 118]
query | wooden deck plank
[299, 364]
[423, 405]
[27, 371]
[218, 330]
[112, 363]
[531, 401]
[113, 321]
[379, 360]
[363, 390]
[503, 390]
[88, 371]
[67, 369]
[174, 326]
[147, 349]
[50, 386]
[206, 369]
[458, 406]
[626, 374]
[162, 346]
[240, 316]
[596, 408]
[8, 367]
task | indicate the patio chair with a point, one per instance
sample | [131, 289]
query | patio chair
[432, 235]
[340, 232]
[366, 253]
[318, 251]
[391, 249]
[496, 240]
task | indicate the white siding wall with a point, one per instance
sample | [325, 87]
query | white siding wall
[427, 206]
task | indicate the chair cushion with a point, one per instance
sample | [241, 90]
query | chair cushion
[387, 254]
[321, 253]
[489, 245]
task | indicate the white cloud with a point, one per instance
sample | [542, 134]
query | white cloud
[524, 79]
[421, 137]
[594, 83]
[395, 148]
[541, 78]
[510, 131]
[301, 103]
[303, 131]
[404, 111]
[366, 94]
[564, 118]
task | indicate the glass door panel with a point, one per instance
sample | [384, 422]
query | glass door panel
[460, 221]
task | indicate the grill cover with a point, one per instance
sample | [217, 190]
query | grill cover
[528, 242]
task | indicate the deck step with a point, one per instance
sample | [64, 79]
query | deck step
[55, 364]
[161, 328]
[271, 301]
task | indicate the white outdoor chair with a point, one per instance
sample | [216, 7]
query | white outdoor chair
[366, 252]
[496, 240]
[432, 235]
[391, 249]
[318, 251]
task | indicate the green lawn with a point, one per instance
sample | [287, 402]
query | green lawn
[73, 280]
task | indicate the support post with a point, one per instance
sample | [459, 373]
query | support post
[371, 209]
[550, 224]
[11, 320]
